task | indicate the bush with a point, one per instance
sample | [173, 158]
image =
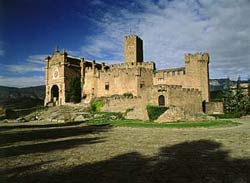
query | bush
[96, 106]
[74, 93]
[155, 111]
[228, 115]
[129, 95]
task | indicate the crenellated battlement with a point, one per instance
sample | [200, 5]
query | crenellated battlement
[132, 36]
[129, 65]
[170, 72]
[165, 88]
[199, 57]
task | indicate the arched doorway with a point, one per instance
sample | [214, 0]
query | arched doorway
[54, 93]
[161, 100]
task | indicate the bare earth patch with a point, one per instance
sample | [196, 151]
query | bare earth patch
[76, 152]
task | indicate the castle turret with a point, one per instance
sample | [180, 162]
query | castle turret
[197, 71]
[133, 49]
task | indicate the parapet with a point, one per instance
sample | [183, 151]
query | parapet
[130, 65]
[132, 36]
[165, 87]
[199, 57]
[171, 72]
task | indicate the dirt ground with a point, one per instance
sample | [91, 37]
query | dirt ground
[66, 152]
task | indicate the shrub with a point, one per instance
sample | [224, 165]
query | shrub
[227, 115]
[96, 106]
[129, 95]
[74, 93]
[155, 111]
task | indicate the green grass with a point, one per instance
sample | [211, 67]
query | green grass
[137, 123]
[227, 115]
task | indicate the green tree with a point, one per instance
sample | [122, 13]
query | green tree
[74, 93]
[236, 102]
[248, 88]
[228, 96]
[239, 93]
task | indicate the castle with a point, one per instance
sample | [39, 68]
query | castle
[186, 87]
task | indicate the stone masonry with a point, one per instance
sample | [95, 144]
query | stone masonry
[186, 87]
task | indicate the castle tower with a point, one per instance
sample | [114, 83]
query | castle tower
[197, 70]
[133, 49]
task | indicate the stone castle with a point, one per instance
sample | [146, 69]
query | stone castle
[186, 87]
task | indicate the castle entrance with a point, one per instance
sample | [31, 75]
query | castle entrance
[54, 94]
[161, 100]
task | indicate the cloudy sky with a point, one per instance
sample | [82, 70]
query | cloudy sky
[94, 29]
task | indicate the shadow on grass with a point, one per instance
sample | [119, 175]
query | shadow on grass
[53, 133]
[195, 161]
[3, 128]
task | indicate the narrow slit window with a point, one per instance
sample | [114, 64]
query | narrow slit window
[142, 84]
[107, 86]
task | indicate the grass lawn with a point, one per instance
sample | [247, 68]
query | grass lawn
[148, 124]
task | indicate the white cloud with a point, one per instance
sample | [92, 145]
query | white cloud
[21, 81]
[24, 68]
[171, 28]
[34, 63]
[38, 59]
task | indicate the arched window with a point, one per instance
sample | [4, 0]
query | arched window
[161, 100]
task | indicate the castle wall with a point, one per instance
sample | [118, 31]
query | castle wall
[119, 81]
[135, 107]
[170, 77]
[214, 108]
[190, 100]
[195, 74]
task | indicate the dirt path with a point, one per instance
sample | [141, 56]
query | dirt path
[45, 152]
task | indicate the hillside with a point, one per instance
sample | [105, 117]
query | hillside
[19, 98]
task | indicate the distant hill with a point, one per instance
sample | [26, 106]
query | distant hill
[11, 97]
[219, 84]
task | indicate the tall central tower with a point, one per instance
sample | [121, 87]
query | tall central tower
[133, 49]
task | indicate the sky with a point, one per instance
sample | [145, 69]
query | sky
[30, 30]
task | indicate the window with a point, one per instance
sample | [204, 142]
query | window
[142, 84]
[107, 86]
[161, 101]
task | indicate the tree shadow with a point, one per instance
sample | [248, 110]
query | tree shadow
[47, 146]
[195, 162]
[53, 133]
[27, 126]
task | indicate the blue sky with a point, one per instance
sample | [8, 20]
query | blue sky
[94, 29]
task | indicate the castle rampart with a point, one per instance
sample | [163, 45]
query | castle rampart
[186, 87]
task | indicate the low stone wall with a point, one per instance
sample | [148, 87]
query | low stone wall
[135, 108]
[214, 108]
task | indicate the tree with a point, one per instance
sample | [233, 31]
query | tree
[228, 96]
[74, 93]
[239, 96]
[236, 102]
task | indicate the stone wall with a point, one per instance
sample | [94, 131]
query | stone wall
[117, 80]
[133, 49]
[195, 74]
[189, 100]
[214, 108]
[135, 107]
